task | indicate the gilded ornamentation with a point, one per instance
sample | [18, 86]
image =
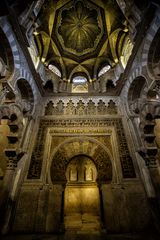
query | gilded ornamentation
[37, 155]
[91, 108]
[101, 160]
[101, 107]
[70, 109]
[112, 108]
[80, 34]
[83, 28]
[106, 141]
[81, 108]
[103, 165]
[59, 108]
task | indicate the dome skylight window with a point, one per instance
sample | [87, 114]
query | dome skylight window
[79, 80]
[54, 69]
[104, 70]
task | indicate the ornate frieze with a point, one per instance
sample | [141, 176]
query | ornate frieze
[81, 108]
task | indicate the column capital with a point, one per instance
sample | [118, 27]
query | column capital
[13, 156]
[12, 163]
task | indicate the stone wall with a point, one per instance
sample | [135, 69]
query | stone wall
[38, 209]
[125, 207]
[41, 208]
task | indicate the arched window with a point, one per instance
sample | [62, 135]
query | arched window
[55, 70]
[79, 80]
[104, 70]
[79, 84]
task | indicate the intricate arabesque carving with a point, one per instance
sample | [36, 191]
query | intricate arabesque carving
[106, 141]
[37, 156]
[81, 108]
[103, 163]
[125, 158]
[84, 30]
[61, 159]
[70, 109]
[59, 108]
[112, 109]
[59, 166]
[101, 109]
[91, 108]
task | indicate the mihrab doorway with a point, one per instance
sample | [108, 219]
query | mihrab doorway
[82, 198]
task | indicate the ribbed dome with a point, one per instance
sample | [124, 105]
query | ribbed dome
[81, 35]
[79, 27]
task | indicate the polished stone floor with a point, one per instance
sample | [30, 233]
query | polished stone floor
[84, 236]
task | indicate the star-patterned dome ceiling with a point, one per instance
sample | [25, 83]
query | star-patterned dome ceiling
[80, 36]
[79, 28]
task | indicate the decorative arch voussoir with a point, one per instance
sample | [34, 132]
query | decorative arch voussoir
[100, 157]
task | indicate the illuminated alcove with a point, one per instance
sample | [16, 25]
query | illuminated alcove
[81, 199]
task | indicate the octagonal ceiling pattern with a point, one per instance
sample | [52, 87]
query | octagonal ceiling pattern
[79, 30]
[80, 36]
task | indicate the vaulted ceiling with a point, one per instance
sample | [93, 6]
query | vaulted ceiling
[80, 36]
